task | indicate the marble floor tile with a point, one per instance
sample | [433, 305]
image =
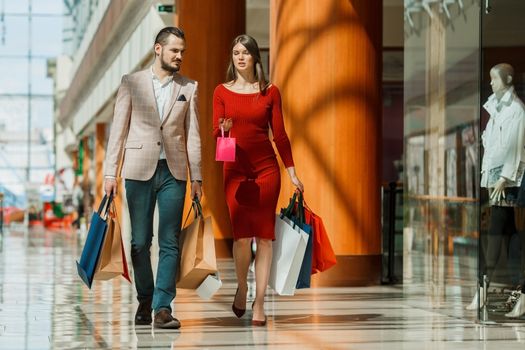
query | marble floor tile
[43, 305]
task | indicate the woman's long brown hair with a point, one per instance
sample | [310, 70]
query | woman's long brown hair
[251, 45]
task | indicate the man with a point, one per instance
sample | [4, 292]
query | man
[156, 130]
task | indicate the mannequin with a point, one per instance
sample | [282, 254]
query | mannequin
[502, 170]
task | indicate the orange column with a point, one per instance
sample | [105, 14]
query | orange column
[326, 59]
[210, 26]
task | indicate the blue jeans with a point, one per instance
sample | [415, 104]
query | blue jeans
[142, 195]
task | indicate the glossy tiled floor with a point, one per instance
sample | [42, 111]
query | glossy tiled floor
[44, 306]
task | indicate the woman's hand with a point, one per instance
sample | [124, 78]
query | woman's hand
[225, 124]
[297, 183]
[295, 180]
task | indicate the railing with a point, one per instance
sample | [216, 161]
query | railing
[392, 194]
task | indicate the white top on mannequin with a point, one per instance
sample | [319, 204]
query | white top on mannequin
[504, 140]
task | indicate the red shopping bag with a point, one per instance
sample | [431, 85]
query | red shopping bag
[323, 256]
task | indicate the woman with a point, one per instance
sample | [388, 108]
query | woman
[247, 107]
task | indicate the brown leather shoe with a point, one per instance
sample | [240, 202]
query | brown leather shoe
[164, 319]
[143, 315]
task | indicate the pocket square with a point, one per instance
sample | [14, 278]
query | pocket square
[181, 98]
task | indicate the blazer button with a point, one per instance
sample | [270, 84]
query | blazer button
[158, 143]
[161, 128]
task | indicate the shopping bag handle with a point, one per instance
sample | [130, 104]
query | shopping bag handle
[300, 208]
[104, 205]
[289, 209]
[305, 205]
[197, 209]
[229, 131]
[113, 211]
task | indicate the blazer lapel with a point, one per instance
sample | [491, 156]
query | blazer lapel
[174, 95]
[150, 94]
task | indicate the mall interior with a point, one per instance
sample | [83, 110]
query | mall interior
[385, 105]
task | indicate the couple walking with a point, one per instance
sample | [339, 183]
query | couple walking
[155, 131]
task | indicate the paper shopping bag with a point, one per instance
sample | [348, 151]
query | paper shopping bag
[225, 148]
[295, 212]
[93, 246]
[112, 262]
[323, 254]
[305, 273]
[288, 253]
[209, 286]
[197, 258]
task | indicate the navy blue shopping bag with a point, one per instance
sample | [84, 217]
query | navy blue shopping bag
[95, 238]
[295, 212]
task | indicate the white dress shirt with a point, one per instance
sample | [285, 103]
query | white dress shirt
[504, 140]
[163, 91]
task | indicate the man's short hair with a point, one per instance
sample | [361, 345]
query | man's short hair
[162, 37]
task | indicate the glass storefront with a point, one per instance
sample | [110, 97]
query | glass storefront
[457, 242]
[502, 226]
[441, 138]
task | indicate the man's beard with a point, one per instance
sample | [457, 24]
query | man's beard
[164, 65]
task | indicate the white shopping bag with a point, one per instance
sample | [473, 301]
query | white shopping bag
[209, 286]
[288, 253]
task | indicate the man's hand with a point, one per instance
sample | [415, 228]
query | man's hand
[196, 190]
[110, 186]
[499, 190]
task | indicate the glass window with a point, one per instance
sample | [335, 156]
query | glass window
[13, 36]
[40, 83]
[441, 136]
[46, 37]
[13, 114]
[502, 241]
[42, 113]
[18, 6]
[13, 75]
[51, 7]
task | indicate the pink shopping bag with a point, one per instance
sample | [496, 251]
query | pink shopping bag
[225, 150]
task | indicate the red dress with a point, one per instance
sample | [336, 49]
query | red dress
[252, 183]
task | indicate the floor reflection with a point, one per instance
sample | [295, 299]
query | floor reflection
[43, 305]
